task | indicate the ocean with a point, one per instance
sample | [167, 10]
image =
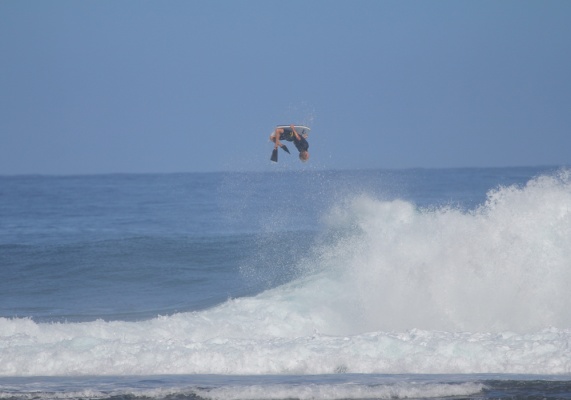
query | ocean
[365, 284]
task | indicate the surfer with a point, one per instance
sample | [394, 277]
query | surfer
[291, 135]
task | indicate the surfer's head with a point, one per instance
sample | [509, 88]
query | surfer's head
[304, 156]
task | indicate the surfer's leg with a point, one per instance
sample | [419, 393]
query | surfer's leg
[277, 134]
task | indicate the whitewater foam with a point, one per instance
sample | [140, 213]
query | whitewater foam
[169, 346]
[347, 391]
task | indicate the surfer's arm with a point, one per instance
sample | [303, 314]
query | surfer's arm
[294, 132]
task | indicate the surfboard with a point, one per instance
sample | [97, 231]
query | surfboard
[302, 130]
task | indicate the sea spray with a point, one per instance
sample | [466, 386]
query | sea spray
[502, 266]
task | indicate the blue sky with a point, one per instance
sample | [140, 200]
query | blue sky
[183, 86]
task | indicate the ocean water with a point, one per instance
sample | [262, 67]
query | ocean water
[376, 284]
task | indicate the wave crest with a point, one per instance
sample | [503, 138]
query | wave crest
[502, 266]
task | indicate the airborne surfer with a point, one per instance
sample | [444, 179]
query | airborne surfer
[290, 134]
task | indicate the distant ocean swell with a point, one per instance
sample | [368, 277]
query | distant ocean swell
[384, 389]
[388, 288]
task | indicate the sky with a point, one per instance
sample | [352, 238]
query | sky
[125, 86]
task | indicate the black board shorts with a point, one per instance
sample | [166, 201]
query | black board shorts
[287, 134]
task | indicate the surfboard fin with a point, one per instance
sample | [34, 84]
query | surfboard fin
[274, 156]
[284, 148]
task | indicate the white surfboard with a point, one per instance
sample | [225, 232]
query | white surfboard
[301, 130]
